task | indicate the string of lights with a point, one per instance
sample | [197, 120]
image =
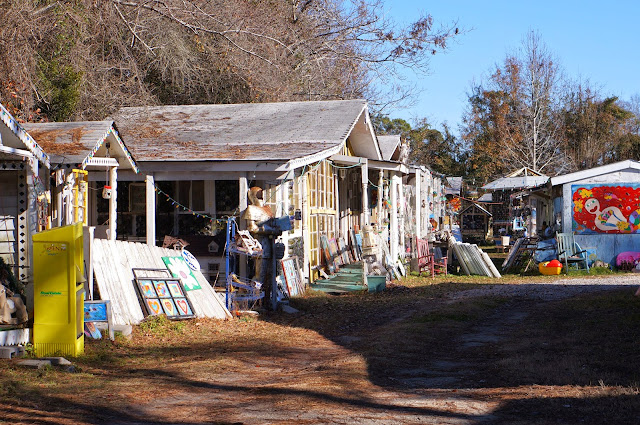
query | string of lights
[178, 205]
[271, 191]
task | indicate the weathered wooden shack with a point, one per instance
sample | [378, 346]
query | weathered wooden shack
[316, 160]
[96, 149]
[474, 222]
[519, 202]
[601, 206]
[24, 204]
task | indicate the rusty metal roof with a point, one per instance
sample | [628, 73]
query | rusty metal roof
[255, 131]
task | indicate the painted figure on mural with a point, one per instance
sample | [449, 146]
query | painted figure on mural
[606, 209]
[611, 218]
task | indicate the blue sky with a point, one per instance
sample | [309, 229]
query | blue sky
[594, 40]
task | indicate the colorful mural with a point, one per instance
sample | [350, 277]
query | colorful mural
[606, 209]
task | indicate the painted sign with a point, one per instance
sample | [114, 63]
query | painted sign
[179, 268]
[606, 209]
[95, 312]
[191, 261]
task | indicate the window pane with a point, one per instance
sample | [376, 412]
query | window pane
[197, 195]
[227, 196]
[183, 192]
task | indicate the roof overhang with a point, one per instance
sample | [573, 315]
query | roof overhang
[524, 182]
[292, 164]
[363, 137]
[388, 166]
[14, 136]
[476, 206]
[110, 151]
[595, 172]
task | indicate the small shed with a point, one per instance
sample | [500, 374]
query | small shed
[519, 201]
[474, 222]
[95, 147]
[601, 206]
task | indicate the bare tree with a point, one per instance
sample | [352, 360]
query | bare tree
[529, 80]
[83, 59]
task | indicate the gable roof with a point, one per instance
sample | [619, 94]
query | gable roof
[487, 197]
[523, 172]
[594, 172]
[388, 145]
[14, 137]
[255, 131]
[523, 178]
[526, 182]
[478, 207]
[80, 142]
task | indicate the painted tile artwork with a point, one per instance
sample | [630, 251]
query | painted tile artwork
[154, 306]
[161, 289]
[183, 307]
[169, 307]
[174, 289]
[146, 286]
[164, 296]
[606, 209]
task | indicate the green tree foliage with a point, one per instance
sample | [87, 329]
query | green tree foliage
[594, 128]
[385, 125]
[440, 151]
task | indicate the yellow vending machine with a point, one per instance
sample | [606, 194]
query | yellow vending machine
[58, 278]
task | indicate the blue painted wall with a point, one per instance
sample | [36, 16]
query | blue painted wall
[609, 246]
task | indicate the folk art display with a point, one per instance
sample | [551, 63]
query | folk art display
[164, 296]
[179, 268]
[606, 209]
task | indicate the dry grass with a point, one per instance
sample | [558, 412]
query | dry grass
[410, 354]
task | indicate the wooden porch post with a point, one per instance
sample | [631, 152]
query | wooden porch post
[282, 199]
[418, 206]
[380, 194]
[306, 219]
[365, 193]
[394, 228]
[402, 215]
[243, 198]
[151, 210]
[113, 202]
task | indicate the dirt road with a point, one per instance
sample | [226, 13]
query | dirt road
[337, 378]
[537, 353]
